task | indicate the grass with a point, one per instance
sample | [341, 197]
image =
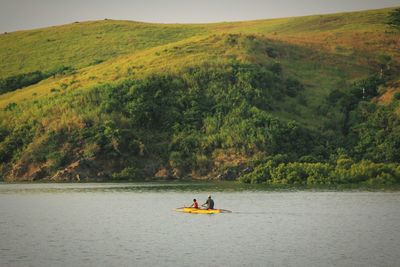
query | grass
[83, 44]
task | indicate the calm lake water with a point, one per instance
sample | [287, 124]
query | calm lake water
[135, 225]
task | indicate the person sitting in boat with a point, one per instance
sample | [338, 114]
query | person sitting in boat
[195, 204]
[209, 203]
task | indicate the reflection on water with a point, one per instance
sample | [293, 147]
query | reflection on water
[131, 187]
[134, 224]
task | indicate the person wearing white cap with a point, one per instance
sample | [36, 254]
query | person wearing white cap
[209, 203]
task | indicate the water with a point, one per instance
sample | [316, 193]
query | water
[134, 225]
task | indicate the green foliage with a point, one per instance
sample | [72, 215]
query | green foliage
[25, 79]
[184, 118]
[277, 69]
[385, 64]
[11, 106]
[4, 132]
[367, 88]
[394, 18]
[366, 171]
[378, 133]
[128, 173]
[206, 108]
[344, 172]
[271, 52]
[15, 142]
[343, 105]
[260, 174]
[21, 80]
[53, 150]
[293, 87]
[373, 136]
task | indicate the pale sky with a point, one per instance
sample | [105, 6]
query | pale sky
[29, 14]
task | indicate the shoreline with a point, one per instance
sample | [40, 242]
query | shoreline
[219, 186]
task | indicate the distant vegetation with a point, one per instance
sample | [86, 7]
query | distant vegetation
[394, 18]
[343, 171]
[25, 79]
[304, 101]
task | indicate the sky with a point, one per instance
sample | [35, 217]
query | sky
[29, 14]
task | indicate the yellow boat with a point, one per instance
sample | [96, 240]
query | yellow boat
[200, 211]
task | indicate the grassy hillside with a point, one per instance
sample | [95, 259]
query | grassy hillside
[83, 44]
[361, 37]
[118, 99]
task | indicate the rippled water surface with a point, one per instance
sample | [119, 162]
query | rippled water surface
[135, 225]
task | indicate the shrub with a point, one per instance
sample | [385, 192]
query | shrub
[11, 106]
[308, 159]
[271, 52]
[293, 87]
[367, 88]
[276, 68]
[16, 142]
[128, 173]
[382, 179]
[363, 171]
[14, 82]
[394, 18]
[345, 172]
[260, 174]
[21, 80]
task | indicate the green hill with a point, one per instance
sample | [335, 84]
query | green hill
[117, 100]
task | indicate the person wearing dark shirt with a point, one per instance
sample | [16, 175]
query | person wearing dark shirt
[209, 203]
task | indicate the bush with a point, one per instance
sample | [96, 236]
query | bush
[382, 179]
[260, 174]
[394, 18]
[378, 134]
[363, 171]
[14, 82]
[344, 172]
[367, 88]
[271, 52]
[13, 145]
[344, 162]
[128, 173]
[11, 106]
[57, 159]
[293, 87]
[276, 68]
[309, 159]
[21, 80]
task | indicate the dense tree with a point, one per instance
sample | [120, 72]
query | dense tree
[394, 18]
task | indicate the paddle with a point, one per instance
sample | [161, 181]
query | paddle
[179, 209]
[227, 211]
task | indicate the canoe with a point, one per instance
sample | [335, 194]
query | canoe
[198, 211]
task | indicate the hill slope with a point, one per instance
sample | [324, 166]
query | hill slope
[119, 99]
